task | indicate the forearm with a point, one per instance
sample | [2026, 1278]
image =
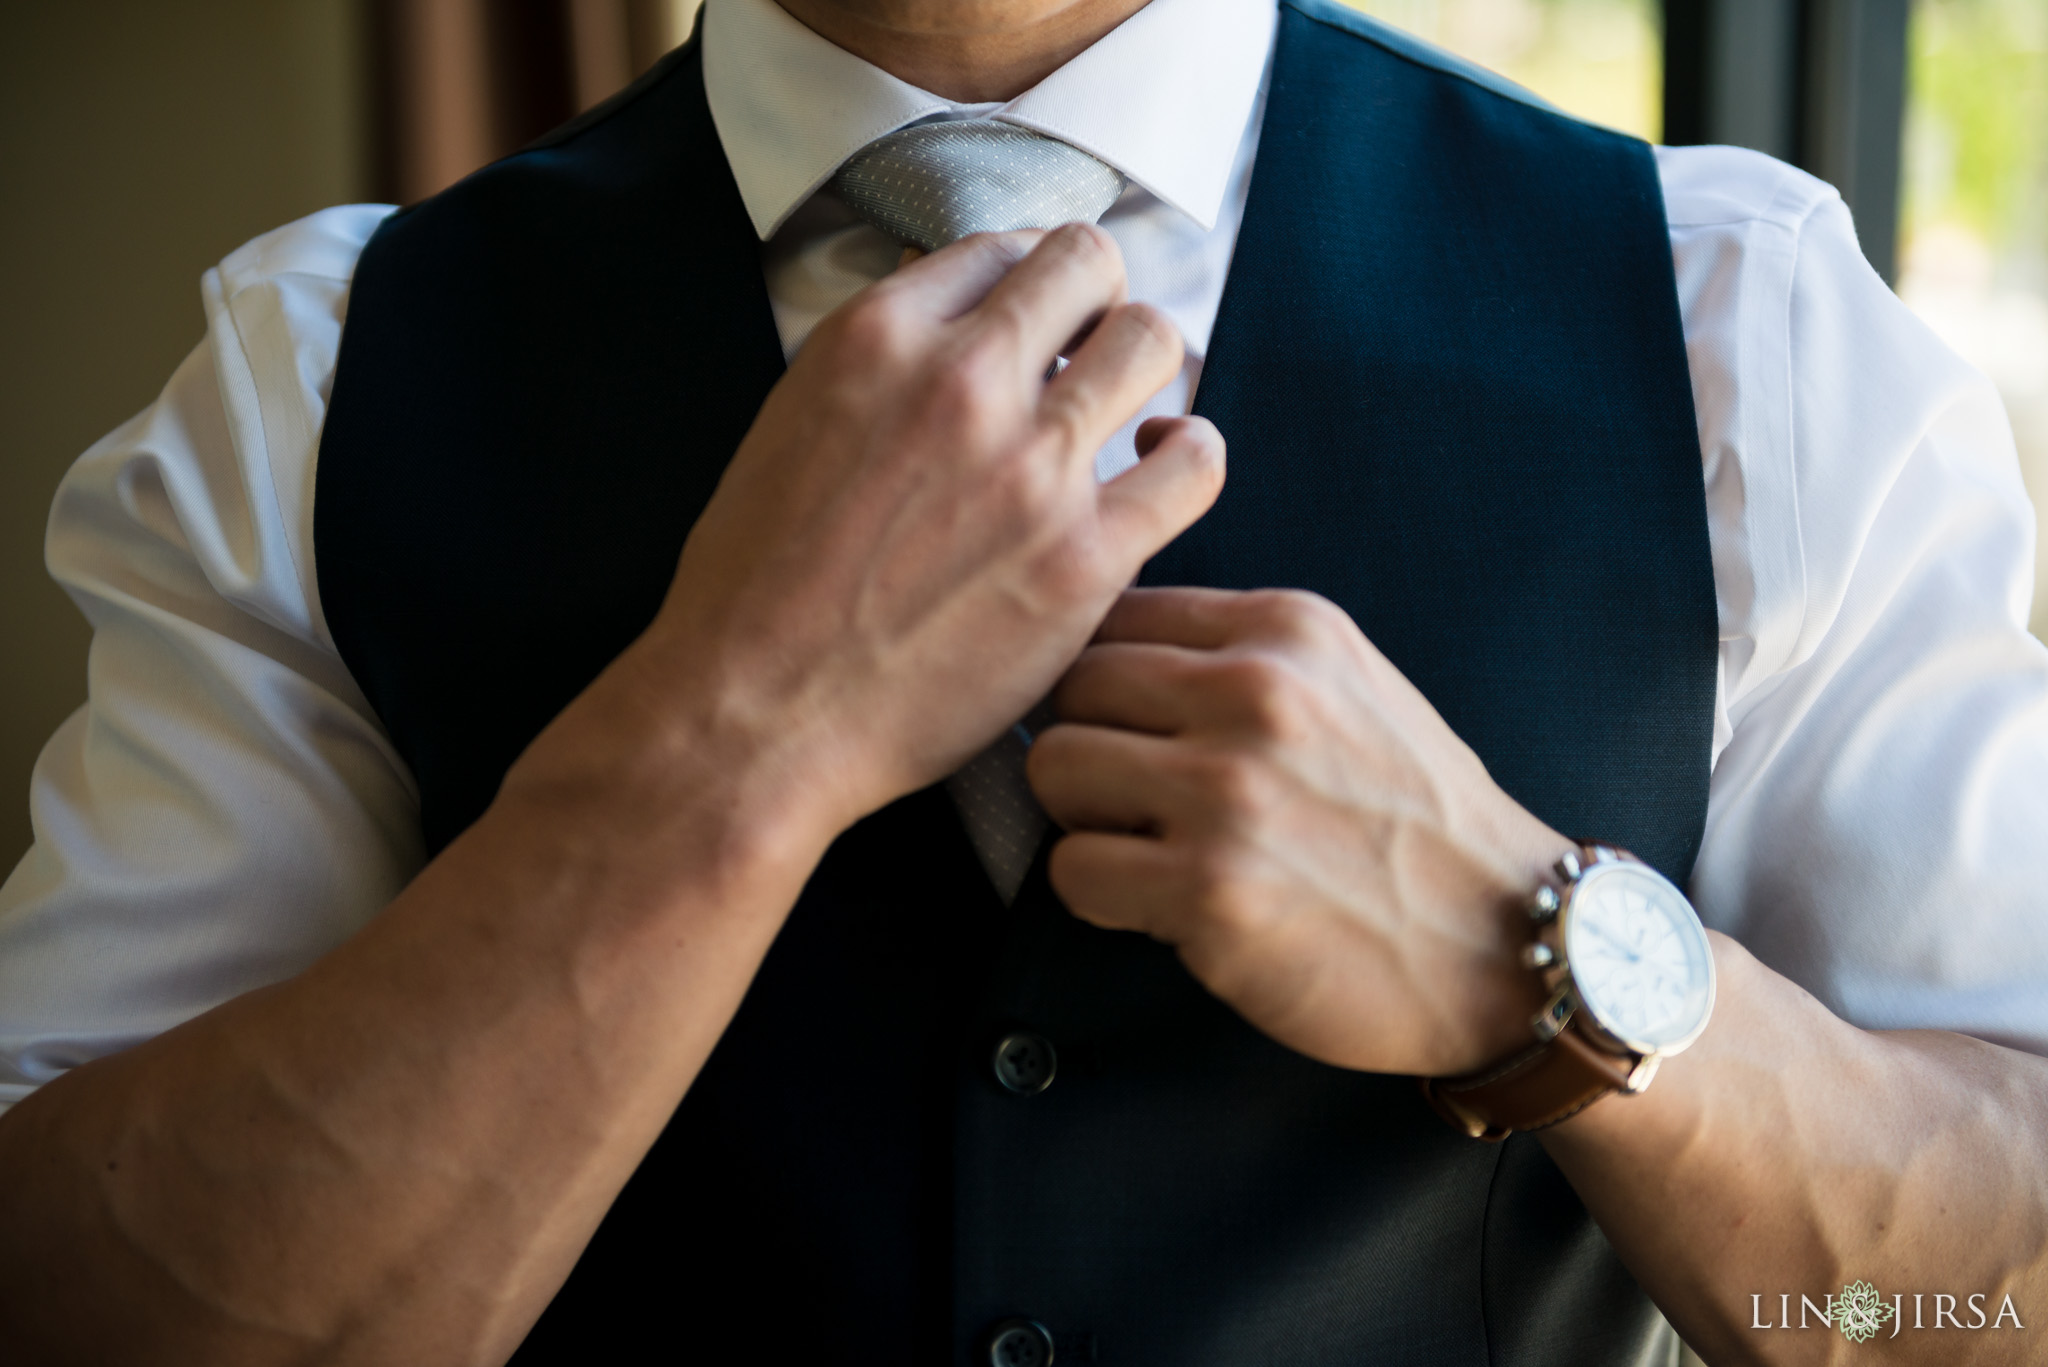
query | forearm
[399, 1154]
[1788, 1152]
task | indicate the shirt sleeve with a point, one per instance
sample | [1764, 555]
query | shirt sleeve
[225, 808]
[1877, 828]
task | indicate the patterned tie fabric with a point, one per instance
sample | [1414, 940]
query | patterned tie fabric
[927, 186]
[934, 183]
[996, 805]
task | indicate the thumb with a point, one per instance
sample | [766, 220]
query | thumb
[1175, 481]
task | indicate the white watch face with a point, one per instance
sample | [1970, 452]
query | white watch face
[1639, 958]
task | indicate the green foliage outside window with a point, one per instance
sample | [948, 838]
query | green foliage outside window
[1977, 128]
[1600, 59]
[1975, 208]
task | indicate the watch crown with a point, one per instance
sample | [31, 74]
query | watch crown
[1567, 866]
[1538, 955]
[1543, 906]
[1557, 1013]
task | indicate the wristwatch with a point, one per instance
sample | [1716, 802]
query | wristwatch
[1631, 981]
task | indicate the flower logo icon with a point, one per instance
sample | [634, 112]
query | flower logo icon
[1860, 1312]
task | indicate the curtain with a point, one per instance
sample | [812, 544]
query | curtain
[459, 83]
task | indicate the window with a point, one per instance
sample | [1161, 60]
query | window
[1974, 222]
[1600, 59]
[1818, 83]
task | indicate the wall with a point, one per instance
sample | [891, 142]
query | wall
[139, 143]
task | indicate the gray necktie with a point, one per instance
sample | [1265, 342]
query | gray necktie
[934, 183]
[929, 185]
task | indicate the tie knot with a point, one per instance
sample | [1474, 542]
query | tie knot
[935, 183]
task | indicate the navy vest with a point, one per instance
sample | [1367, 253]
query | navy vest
[1450, 369]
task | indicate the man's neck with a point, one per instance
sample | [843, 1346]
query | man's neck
[970, 51]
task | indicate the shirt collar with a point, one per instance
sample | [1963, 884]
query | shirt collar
[1163, 98]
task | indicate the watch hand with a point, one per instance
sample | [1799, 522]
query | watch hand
[1611, 939]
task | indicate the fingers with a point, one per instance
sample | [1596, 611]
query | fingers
[1130, 356]
[1118, 882]
[1136, 686]
[1212, 619]
[1152, 431]
[1094, 778]
[953, 281]
[1073, 276]
[1195, 619]
[1160, 497]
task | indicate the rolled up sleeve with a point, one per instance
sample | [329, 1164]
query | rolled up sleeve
[225, 808]
[1878, 822]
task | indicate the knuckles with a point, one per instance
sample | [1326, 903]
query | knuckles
[1156, 331]
[966, 390]
[1090, 244]
[1032, 497]
[1294, 616]
[1230, 785]
[881, 325]
[1064, 426]
[1263, 693]
[1076, 570]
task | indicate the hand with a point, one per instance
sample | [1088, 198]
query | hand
[911, 544]
[907, 550]
[1243, 776]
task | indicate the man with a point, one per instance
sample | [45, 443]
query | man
[436, 828]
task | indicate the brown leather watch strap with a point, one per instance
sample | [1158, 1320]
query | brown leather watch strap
[1540, 1086]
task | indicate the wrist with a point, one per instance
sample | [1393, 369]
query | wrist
[1630, 978]
[669, 776]
[1673, 1110]
[1513, 994]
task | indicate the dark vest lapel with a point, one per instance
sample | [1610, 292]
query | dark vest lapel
[1449, 365]
[1450, 369]
[543, 373]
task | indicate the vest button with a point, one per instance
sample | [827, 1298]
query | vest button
[1019, 1343]
[1025, 1062]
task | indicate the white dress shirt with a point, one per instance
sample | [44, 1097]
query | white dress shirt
[227, 808]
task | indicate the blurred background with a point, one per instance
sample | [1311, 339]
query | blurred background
[141, 142]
